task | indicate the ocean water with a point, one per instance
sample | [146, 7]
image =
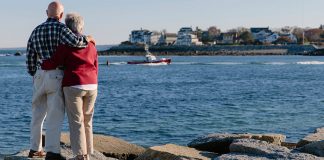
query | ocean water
[194, 96]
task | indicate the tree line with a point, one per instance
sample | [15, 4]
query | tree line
[244, 35]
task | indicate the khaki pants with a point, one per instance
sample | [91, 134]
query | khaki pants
[47, 102]
[80, 109]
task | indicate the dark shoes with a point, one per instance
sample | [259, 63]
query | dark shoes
[48, 155]
[36, 154]
[54, 156]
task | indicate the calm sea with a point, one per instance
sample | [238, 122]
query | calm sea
[194, 96]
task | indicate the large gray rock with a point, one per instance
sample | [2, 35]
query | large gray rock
[219, 143]
[234, 156]
[65, 151]
[318, 135]
[111, 146]
[105, 146]
[174, 152]
[256, 147]
[266, 150]
[289, 145]
[315, 148]
[303, 156]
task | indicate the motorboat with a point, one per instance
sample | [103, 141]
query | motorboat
[150, 59]
[162, 61]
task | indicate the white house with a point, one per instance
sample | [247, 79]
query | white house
[229, 38]
[271, 38]
[140, 36]
[261, 34]
[187, 38]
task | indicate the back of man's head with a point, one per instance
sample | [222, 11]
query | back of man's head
[55, 10]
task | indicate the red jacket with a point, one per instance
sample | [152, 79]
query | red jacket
[80, 65]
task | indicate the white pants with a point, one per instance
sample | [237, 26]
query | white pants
[47, 102]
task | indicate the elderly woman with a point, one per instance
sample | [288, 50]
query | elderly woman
[79, 84]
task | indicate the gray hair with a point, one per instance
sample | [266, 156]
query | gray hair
[75, 22]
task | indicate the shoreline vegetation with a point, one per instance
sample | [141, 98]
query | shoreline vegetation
[217, 146]
[216, 50]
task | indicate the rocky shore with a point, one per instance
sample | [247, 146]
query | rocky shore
[218, 146]
[217, 50]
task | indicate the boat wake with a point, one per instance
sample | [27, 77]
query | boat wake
[115, 63]
[253, 63]
[224, 63]
[154, 64]
[311, 62]
[209, 63]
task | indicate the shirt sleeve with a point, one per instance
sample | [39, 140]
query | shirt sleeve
[95, 56]
[96, 63]
[56, 60]
[31, 57]
[73, 40]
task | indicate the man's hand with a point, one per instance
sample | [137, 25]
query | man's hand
[91, 39]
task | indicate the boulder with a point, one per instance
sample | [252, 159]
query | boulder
[276, 139]
[219, 143]
[174, 152]
[303, 156]
[111, 146]
[315, 148]
[289, 145]
[318, 135]
[263, 149]
[65, 151]
[234, 156]
[257, 147]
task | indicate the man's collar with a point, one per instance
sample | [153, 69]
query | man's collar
[52, 20]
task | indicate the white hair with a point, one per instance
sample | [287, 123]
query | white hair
[75, 22]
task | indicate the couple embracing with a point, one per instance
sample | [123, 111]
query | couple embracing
[64, 66]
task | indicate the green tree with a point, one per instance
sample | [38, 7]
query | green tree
[283, 40]
[246, 37]
[286, 29]
[238, 30]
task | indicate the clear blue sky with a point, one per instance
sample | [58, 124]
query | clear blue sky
[110, 21]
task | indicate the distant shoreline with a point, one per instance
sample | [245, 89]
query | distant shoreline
[240, 50]
[216, 50]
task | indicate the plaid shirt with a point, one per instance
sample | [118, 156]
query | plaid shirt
[45, 39]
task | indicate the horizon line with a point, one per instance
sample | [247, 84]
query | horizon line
[13, 48]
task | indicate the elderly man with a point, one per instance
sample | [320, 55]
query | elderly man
[47, 98]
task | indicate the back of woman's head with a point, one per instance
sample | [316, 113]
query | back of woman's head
[75, 22]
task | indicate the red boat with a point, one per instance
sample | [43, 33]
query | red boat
[150, 59]
[162, 61]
